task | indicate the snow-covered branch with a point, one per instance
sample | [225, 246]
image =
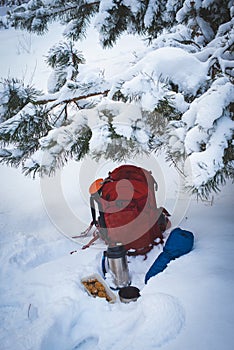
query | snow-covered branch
[177, 94]
[65, 99]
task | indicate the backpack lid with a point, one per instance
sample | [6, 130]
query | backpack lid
[96, 185]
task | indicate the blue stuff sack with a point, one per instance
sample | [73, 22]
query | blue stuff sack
[179, 242]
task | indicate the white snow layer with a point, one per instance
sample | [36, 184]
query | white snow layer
[164, 64]
[43, 305]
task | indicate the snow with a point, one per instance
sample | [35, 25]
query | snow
[209, 107]
[149, 15]
[42, 303]
[205, 164]
[205, 28]
[159, 66]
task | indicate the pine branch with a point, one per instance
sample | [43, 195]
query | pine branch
[69, 100]
[71, 8]
[23, 17]
[188, 42]
[175, 164]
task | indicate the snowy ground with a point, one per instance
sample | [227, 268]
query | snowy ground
[42, 303]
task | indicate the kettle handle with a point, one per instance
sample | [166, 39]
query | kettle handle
[104, 263]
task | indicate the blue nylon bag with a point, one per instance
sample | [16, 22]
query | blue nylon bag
[179, 242]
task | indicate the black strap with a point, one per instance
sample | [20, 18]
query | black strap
[100, 221]
[95, 198]
[93, 211]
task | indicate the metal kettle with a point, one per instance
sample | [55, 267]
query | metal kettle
[115, 259]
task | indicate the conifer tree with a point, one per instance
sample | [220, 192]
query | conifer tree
[187, 110]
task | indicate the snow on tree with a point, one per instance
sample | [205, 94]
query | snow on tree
[177, 95]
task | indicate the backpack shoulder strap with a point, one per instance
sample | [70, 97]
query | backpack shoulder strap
[93, 210]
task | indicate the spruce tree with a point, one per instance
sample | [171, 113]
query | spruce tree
[189, 116]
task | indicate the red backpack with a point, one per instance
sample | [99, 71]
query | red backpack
[128, 210]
